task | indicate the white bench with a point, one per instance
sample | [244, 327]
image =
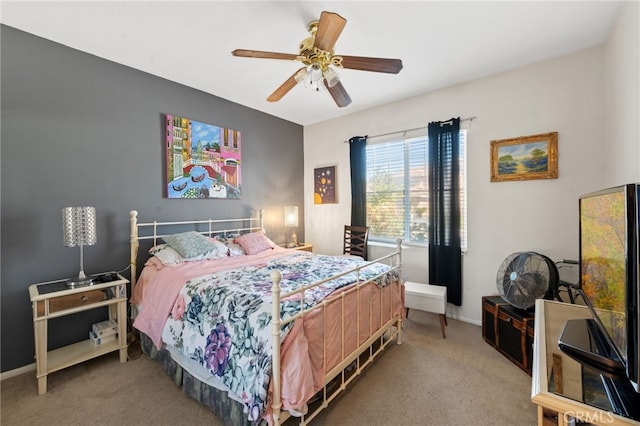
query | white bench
[428, 298]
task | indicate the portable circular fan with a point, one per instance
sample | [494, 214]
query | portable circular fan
[524, 277]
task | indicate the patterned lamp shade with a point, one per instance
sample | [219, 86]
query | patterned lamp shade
[79, 226]
[79, 229]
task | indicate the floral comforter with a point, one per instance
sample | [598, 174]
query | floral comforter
[223, 320]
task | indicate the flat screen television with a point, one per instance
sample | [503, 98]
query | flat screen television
[608, 256]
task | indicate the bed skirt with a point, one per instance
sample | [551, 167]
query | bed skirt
[228, 410]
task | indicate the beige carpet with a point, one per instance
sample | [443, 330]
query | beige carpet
[427, 380]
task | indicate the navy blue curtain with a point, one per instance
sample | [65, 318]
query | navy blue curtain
[358, 157]
[445, 254]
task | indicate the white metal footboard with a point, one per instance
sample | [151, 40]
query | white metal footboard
[391, 328]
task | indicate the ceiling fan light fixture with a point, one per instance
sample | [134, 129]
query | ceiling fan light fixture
[314, 71]
[310, 77]
[301, 75]
[331, 76]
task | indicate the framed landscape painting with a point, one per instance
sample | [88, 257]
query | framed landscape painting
[525, 157]
[202, 160]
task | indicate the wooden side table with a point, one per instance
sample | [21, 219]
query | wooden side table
[304, 247]
[53, 299]
[301, 247]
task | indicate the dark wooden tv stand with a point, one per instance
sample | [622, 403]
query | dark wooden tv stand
[559, 384]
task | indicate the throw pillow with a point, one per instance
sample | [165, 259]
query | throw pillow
[255, 242]
[190, 244]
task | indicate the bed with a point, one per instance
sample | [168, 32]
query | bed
[257, 332]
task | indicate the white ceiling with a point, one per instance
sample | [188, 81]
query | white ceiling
[440, 43]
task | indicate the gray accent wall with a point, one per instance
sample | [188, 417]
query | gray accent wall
[78, 130]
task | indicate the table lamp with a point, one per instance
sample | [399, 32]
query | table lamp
[79, 229]
[291, 221]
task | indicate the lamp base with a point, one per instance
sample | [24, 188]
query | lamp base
[79, 282]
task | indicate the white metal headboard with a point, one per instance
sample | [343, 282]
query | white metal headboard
[156, 230]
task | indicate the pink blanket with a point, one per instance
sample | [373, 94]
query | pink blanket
[156, 305]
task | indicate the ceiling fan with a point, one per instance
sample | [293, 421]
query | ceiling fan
[316, 54]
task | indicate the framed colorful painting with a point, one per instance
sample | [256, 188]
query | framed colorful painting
[324, 185]
[202, 160]
[525, 157]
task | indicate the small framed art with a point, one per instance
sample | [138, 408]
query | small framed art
[324, 185]
[525, 157]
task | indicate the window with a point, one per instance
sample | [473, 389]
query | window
[397, 190]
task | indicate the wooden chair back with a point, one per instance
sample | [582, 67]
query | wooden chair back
[355, 240]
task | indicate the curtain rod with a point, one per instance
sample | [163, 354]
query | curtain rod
[415, 128]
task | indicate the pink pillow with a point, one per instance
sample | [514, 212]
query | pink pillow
[254, 242]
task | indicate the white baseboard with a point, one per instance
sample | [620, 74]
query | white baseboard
[463, 319]
[18, 371]
[452, 312]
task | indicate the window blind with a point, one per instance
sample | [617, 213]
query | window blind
[397, 189]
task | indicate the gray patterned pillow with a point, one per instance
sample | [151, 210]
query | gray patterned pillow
[190, 244]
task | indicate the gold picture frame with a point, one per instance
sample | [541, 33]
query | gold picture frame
[525, 158]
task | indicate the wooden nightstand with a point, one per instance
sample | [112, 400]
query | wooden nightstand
[304, 247]
[53, 299]
[300, 246]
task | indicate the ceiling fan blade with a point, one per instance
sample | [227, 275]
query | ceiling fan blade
[284, 88]
[260, 54]
[339, 94]
[329, 28]
[391, 66]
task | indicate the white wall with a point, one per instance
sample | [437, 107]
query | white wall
[622, 98]
[564, 95]
[591, 98]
